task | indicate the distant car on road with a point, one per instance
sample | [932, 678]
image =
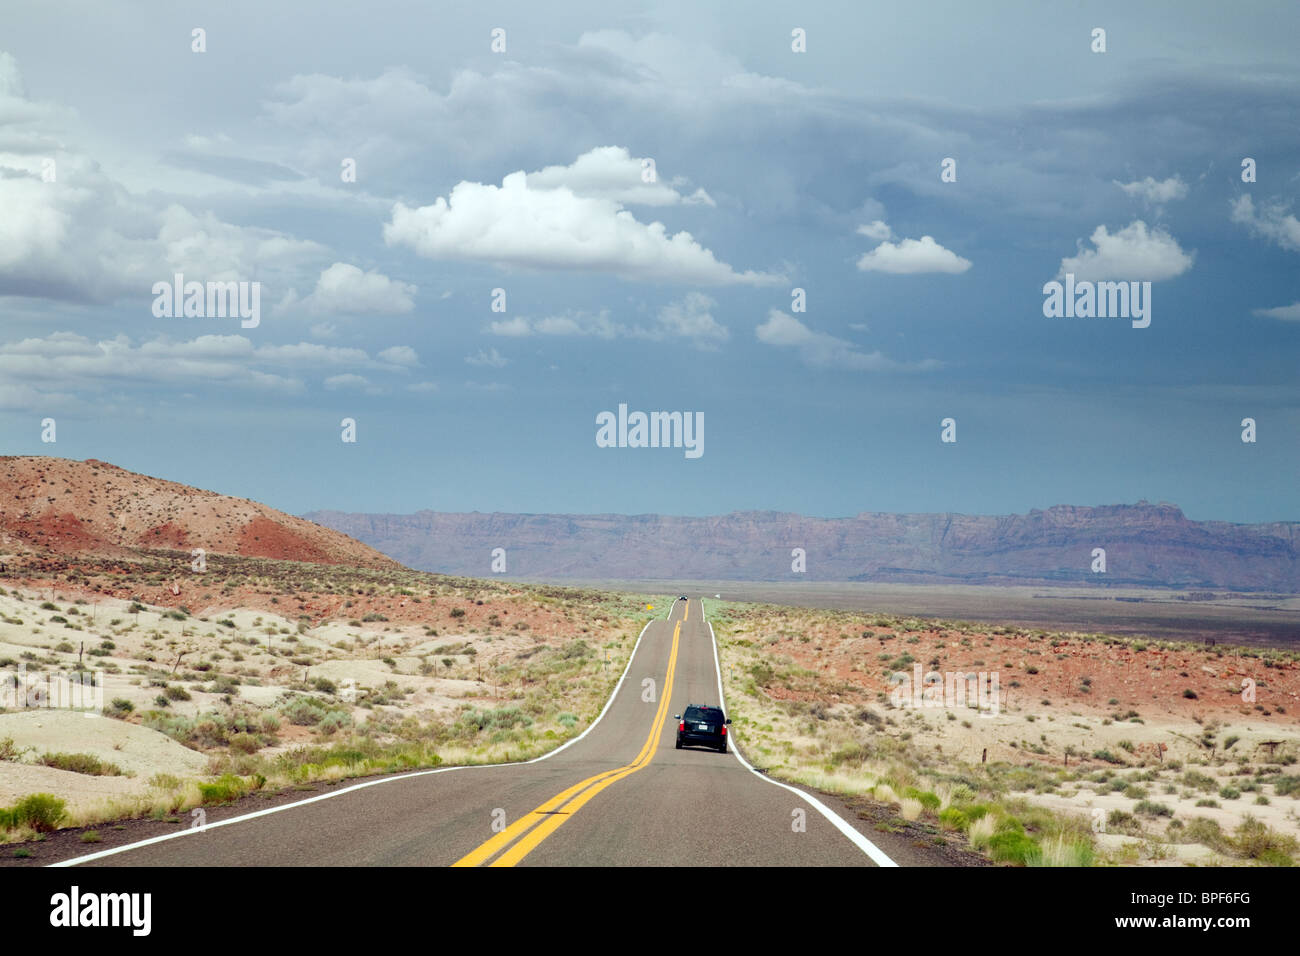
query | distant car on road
[683, 598]
[702, 726]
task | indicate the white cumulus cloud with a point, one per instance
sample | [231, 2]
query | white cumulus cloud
[402, 355]
[512, 225]
[1135, 252]
[690, 318]
[1155, 191]
[877, 229]
[912, 257]
[488, 359]
[1290, 313]
[820, 349]
[1272, 222]
[344, 288]
[612, 172]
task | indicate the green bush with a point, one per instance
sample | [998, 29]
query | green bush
[1012, 847]
[1201, 781]
[1285, 786]
[1257, 841]
[245, 743]
[1205, 831]
[954, 819]
[334, 721]
[229, 787]
[224, 685]
[1122, 822]
[81, 763]
[928, 800]
[304, 711]
[8, 751]
[42, 812]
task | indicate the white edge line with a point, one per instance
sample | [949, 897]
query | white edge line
[861, 842]
[370, 783]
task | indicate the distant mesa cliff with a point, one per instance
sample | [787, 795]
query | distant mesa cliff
[1146, 545]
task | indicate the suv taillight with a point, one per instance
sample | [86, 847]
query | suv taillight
[724, 731]
[682, 725]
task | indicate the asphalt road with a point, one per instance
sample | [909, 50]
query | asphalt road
[622, 795]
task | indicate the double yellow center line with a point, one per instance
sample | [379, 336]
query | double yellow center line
[523, 836]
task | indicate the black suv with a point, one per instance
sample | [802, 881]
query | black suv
[702, 725]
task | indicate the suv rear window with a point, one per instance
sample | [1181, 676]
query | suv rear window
[704, 715]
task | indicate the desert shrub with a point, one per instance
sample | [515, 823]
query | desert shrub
[304, 711]
[928, 800]
[81, 763]
[954, 819]
[229, 787]
[1257, 841]
[42, 812]
[210, 730]
[576, 649]
[334, 721]
[471, 721]
[8, 751]
[1285, 786]
[1012, 847]
[1205, 831]
[224, 685]
[1123, 822]
[177, 727]
[245, 743]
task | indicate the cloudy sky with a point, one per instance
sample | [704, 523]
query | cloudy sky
[473, 242]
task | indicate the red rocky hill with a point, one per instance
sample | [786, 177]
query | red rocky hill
[59, 506]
